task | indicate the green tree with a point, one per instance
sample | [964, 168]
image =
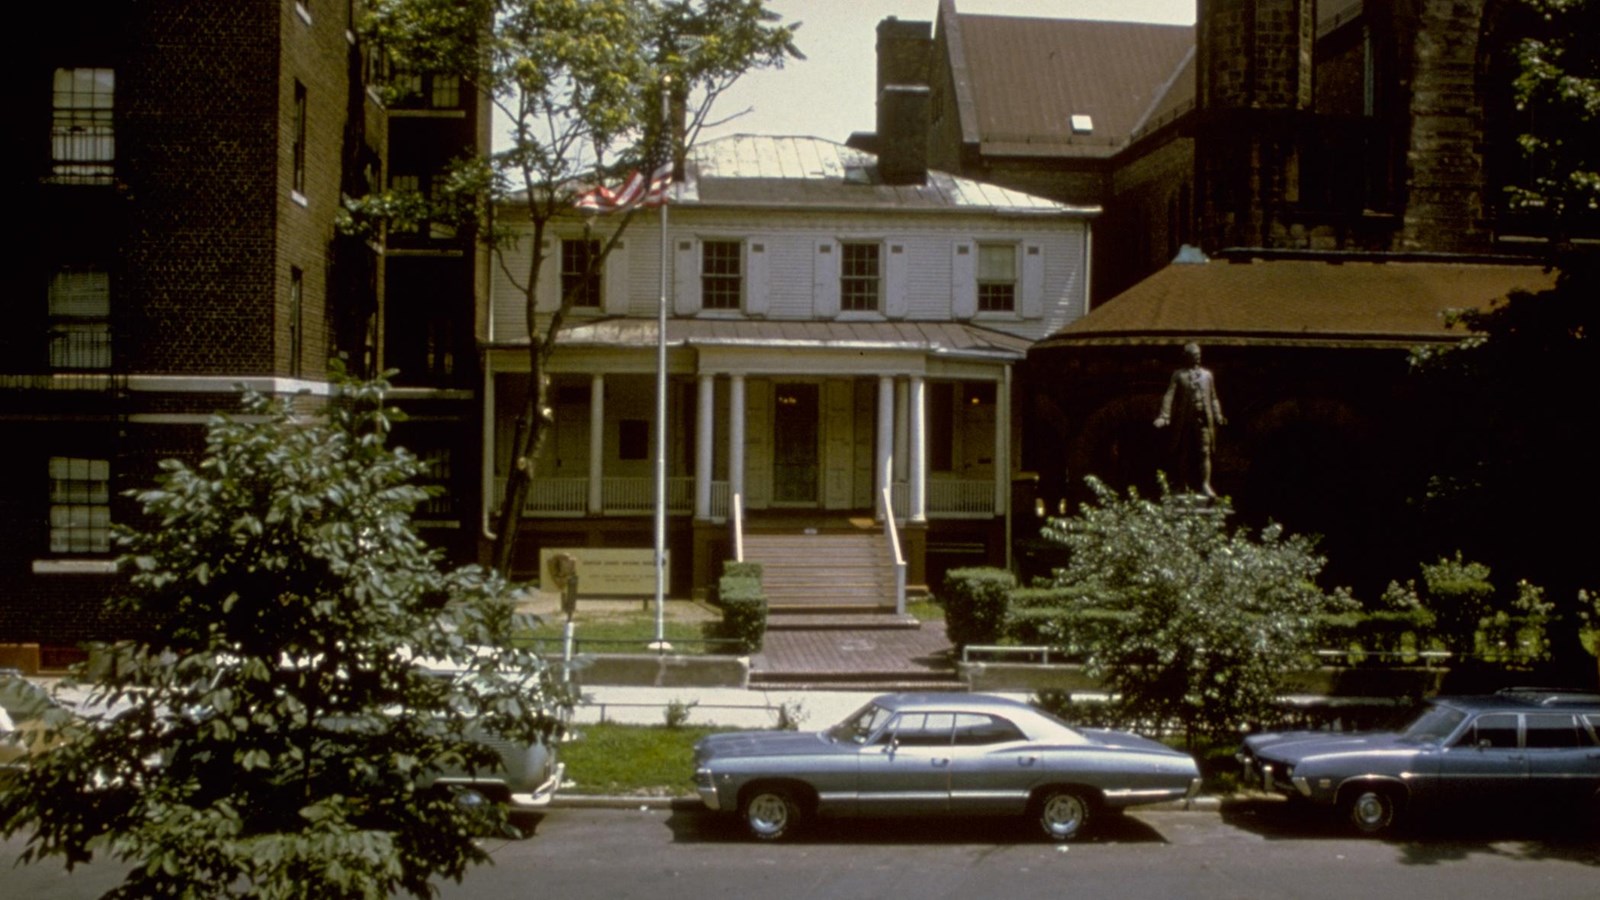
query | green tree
[271, 735]
[1557, 88]
[1210, 620]
[579, 85]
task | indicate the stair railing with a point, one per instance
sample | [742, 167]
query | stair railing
[736, 508]
[893, 534]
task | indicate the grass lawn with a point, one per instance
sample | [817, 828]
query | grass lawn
[632, 760]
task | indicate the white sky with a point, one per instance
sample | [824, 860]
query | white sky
[829, 94]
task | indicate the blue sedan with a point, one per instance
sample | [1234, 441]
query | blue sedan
[938, 754]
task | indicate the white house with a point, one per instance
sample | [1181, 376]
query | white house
[829, 336]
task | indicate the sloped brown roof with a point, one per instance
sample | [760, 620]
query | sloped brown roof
[1024, 78]
[1300, 302]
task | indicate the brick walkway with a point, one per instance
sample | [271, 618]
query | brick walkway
[840, 651]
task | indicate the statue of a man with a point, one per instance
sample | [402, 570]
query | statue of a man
[1191, 404]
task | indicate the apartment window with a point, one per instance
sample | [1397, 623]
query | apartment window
[296, 319]
[82, 138]
[579, 279]
[858, 277]
[422, 186]
[426, 90]
[721, 279]
[80, 505]
[997, 277]
[80, 319]
[299, 138]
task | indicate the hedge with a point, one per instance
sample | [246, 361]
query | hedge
[744, 611]
[975, 602]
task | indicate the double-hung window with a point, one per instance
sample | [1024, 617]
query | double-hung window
[860, 276]
[80, 505]
[299, 150]
[997, 278]
[721, 275]
[80, 319]
[579, 279]
[83, 147]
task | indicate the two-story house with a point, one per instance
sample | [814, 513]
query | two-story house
[844, 334]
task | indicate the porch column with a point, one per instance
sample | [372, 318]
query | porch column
[597, 443]
[917, 488]
[736, 437]
[883, 476]
[902, 431]
[705, 429]
[1002, 442]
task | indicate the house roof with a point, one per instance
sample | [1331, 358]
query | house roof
[1300, 302]
[1020, 80]
[771, 172]
[954, 339]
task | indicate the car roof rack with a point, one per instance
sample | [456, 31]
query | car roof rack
[1552, 696]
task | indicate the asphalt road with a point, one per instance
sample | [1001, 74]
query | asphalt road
[1247, 850]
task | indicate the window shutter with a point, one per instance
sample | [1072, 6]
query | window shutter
[1032, 281]
[549, 296]
[964, 280]
[614, 280]
[757, 278]
[896, 281]
[825, 280]
[686, 276]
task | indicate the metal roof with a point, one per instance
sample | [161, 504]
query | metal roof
[1363, 301]
[773, 172]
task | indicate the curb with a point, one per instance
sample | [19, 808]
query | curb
[1205, 803]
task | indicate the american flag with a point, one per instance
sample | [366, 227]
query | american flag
[635, 191]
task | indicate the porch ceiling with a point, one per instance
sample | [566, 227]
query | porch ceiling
[953, 339]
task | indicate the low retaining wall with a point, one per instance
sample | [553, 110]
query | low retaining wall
[665, 670]
[1328, 681]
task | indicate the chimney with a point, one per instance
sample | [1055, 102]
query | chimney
[903, 134]
[905, 50]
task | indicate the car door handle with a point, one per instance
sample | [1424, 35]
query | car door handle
[940, 761]
[1027, 760]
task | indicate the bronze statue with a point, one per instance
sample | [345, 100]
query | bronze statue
[1191, 402]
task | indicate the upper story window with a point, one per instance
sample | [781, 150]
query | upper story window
[997, 278]
[82, 136]
[860, 277]
[80, 319]
[299, 183]
[579, 279]
[297, 289]
[80, 505]
[427, 90]
[721, 275]
[421, 185]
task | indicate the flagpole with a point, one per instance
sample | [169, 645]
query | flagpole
[661, 394]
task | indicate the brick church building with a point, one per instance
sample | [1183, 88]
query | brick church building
[1303, 187]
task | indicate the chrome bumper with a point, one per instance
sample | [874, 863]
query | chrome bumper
[543, 794]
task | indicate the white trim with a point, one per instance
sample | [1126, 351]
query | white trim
[74, 567]
[226, 384]
[299, 198]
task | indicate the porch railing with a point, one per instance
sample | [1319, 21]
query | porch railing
[550, 497]
[950, 498]
[618, 496]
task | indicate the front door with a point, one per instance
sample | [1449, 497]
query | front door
[794, 442]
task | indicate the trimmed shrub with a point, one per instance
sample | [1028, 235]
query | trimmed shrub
[744, 611]
[975, 603]
[739, 569]
[1381, 636]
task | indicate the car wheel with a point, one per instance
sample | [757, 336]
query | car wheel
[771, 814]
[1064, 814]
[1371, 810]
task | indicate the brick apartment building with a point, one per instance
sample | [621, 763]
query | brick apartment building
[180, 166]
[1301, 186]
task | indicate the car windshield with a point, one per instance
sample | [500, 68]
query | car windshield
[860, 725]
[1433, 726]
